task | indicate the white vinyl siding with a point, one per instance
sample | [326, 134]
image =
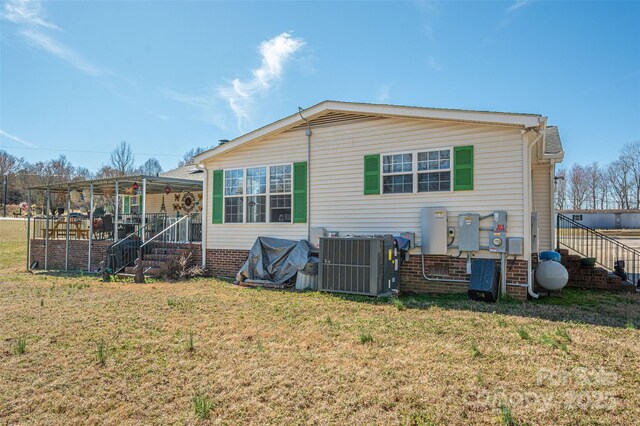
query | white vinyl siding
[541, 176]
[338, 202]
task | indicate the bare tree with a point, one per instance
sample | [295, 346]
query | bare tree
[593, 182]
[578, 189]
[188, 156]
[630, 155]
[561, 188]
[151, 167]
[8, 163]
[618, 179]
[122, 159]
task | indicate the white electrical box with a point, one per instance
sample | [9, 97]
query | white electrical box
[433, 230]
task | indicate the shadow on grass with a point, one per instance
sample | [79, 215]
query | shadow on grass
[572, 305]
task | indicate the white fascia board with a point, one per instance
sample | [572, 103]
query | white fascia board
[526, 121]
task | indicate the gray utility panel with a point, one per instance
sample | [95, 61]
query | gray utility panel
[515, 246]
[469, 232]
[498, 237]
[357, 265]
[433, 230]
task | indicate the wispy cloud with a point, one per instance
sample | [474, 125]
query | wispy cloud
[240, 95]
[55, 48]
[434, 64]
[26, 12]
[240, 99]
[28, 15]
[14, 138]
[518, 4]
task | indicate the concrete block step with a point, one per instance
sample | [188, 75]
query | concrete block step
[173, 251]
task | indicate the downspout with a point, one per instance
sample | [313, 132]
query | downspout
[29, 230]
[46, 230]
[203, 231]
[308, 133]
[528, 172]
[66, 244]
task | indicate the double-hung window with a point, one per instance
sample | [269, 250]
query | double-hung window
[258, 194]
[233, 195]
[421, 171]
[397, 173]
[434, 171]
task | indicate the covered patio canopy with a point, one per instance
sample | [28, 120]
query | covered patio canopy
[142, 185]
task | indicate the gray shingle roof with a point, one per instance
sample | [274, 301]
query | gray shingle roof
[553, 143]
[184, 172]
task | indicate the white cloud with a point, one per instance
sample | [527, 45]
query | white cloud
[241, 96]
[383, 94]
[14, 138]
[28, 15]
[26, 12]
[55, 48]
[518, 4]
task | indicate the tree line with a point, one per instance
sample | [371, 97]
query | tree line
[612, 186]
[22, 174]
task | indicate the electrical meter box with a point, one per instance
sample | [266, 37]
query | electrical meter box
[433, 230]
[498, 237]
[515, 246]
[469, 232]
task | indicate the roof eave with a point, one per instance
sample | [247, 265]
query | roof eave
[526, 121]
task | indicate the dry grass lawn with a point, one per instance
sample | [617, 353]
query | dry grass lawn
[266, 357]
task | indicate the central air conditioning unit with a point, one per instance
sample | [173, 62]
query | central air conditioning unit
[357, 265]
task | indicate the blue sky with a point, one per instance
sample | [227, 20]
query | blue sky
[166, 76]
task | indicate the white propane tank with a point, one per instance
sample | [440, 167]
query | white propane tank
[551, 275]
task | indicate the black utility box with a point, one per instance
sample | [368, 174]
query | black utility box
[484, 280]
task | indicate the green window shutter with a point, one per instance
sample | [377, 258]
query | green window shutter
[217, 196]
[140, 202]
[463, 168]
[125, 208]
[372, 174]
[300, 192]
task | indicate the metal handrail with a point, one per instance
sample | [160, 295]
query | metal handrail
[608, 252]
[109, 254]
[163, 231]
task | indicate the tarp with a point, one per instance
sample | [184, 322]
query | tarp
[274, 260]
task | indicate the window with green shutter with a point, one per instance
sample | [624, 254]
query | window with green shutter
[372, 174]
[125, 206]
[300, 192]
[217, 196]
[463, 168]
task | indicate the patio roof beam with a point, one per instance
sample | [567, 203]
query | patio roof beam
[144, 206]
[116, 207]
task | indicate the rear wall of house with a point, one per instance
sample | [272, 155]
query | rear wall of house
[338, 202]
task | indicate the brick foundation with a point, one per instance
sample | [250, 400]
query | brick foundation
[411, 279]
[225, 262]
[78, 253]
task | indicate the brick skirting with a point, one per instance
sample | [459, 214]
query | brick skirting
[227, 262]
[78, 253]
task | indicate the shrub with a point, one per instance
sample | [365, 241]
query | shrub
[180, 268]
